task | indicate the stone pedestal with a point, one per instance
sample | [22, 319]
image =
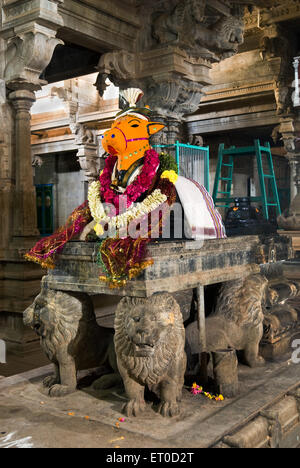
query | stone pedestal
[225, 366]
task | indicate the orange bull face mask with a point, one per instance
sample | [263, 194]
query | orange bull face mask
[128, 139]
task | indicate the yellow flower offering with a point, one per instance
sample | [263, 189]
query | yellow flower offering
[99, 230]
[170, 175]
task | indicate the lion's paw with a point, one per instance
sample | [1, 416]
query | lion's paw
[169, 409]
[49, 381]
[60, 390]
[134, 407]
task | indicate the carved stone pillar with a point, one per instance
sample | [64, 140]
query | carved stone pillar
[278, 49]
[25, 215]
[85, 138]
[293, 163]
[6, 168]
[28, 28]
[290, 130]
[297, 82]
[27, 40]
[295, 205]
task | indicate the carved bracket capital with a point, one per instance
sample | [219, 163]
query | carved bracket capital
[290, 130]
[22, 100]
[117, 65]
[28, 54]
[172, 81]
[68, 94]
[172, 97]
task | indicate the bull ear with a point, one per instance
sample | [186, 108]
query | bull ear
[154, 127]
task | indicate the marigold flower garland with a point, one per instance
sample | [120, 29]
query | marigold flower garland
[46, 249]
[170, 175]
[133, 192]
[122, 259]
[153, 201]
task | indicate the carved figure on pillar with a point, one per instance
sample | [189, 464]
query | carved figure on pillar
[85, 137]
[176, 49]
[88, 156]
[186, 25]
[277, 47]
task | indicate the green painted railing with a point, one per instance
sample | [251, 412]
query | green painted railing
[192, 161]
[224, 173]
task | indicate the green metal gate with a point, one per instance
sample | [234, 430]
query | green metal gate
[226, 159]
[192, 161]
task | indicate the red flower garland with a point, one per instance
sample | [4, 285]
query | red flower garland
[45, 249]
[133, 192]
[124, 259]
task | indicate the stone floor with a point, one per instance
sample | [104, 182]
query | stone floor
[29, 418]
[18, 364]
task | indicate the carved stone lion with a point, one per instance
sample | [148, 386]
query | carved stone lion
[228, 35]
[237, 322]
[238, 319]
[186, 24]
[235, 325]
[71, 339]
[149, 343]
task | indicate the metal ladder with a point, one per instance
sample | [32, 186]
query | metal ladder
[226, 160]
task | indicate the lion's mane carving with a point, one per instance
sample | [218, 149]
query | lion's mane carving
[240, 301]
[235, 325]
[149, 343]
[186, 24]
[71, 338]
[229, 33]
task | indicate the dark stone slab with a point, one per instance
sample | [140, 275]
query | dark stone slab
[178, 266]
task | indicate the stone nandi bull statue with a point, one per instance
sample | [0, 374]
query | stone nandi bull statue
[126, 208]
[130, 203]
